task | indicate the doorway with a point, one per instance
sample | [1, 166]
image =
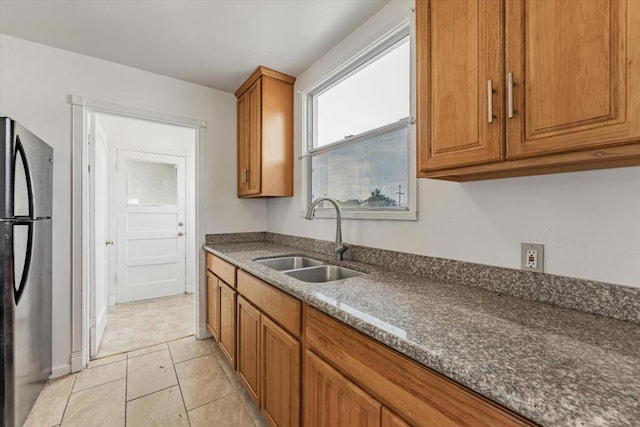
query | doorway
[142, 190]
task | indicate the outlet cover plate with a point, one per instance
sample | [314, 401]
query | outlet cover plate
[532, 249]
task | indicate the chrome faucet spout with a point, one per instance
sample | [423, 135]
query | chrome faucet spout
[340, 247]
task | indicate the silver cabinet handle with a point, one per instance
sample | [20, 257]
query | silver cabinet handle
[490, 101]
[180, 234]
[109, 242]
[245, 175]
[510, 95]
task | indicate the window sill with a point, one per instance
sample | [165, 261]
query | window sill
[408, 215]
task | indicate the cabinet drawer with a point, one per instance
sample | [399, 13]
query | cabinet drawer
[282, 308]
[222, 269]
[414, 392]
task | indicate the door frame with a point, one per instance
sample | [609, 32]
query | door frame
[81, 241]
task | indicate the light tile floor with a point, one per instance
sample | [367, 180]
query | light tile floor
[185, 382]
[141, 324]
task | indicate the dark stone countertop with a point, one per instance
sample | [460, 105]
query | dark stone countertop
[552, 365]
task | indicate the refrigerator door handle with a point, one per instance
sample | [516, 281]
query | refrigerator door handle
[20, 152]
[24, 275]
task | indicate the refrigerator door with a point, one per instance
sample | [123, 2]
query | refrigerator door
[6, 168]
[7, 384]
[26, 163]
[31, 315]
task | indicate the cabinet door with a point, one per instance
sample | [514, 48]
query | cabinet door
[331, 400]
[228, 322]
[280, 375]
[249, 346]
[254, 139]
[459, 82]
[389, 419]
[243, 143]
[576, 74]
[213, 306]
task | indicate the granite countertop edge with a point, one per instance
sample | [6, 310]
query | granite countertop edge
[487, 384]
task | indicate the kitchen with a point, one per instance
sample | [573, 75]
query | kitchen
[587, 220]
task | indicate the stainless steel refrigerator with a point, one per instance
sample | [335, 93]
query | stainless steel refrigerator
[26, 168]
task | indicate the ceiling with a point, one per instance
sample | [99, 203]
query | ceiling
[216, 43]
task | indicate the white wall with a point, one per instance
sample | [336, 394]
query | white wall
[589, 222]
[35, 82]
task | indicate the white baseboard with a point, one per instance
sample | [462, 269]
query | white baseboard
[76, 361]
[60, 370]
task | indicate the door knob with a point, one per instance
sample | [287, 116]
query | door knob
[180, 223]
[108, 242]
[180, 234]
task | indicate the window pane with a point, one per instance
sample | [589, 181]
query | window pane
[369, 174]
[151, 183]
[375, 96]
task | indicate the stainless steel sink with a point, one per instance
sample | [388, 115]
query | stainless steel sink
[322, 274]
[289, 262]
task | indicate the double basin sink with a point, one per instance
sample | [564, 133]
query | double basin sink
[308, 269]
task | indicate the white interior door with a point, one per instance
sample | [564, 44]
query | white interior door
[150, 226]
[100, 202]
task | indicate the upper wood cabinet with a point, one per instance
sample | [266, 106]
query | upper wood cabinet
[460, 82]
[566, 86]
[265, 135]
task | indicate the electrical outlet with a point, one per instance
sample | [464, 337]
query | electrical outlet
[532, 257]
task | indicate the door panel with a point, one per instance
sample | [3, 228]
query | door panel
[254, 155]
[331, 400]
[213, 306]
[572, 70]
[227, 321]
[249, 346]
[459, 49]
[150, 225]
[280, 371]
[32, 319]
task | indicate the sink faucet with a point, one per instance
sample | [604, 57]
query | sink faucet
[340, 247]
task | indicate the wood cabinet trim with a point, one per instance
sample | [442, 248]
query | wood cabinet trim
[279, 306]
[596, 158]
[413, 391]
[263, 71]
[223, 269]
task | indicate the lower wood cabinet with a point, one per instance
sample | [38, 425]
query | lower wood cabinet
[418, 395]
[228, 322]
[249, 347]
[268, 354]
[349, 379]
[213, 306]
[331, 400]
[280, 374]
[389, 419]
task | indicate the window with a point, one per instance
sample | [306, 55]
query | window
[358, 148]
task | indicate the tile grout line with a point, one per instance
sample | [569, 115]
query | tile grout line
[144, 354]
[186, 412]
[68, 399]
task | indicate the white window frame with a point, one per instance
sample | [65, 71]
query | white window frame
[350, 67]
